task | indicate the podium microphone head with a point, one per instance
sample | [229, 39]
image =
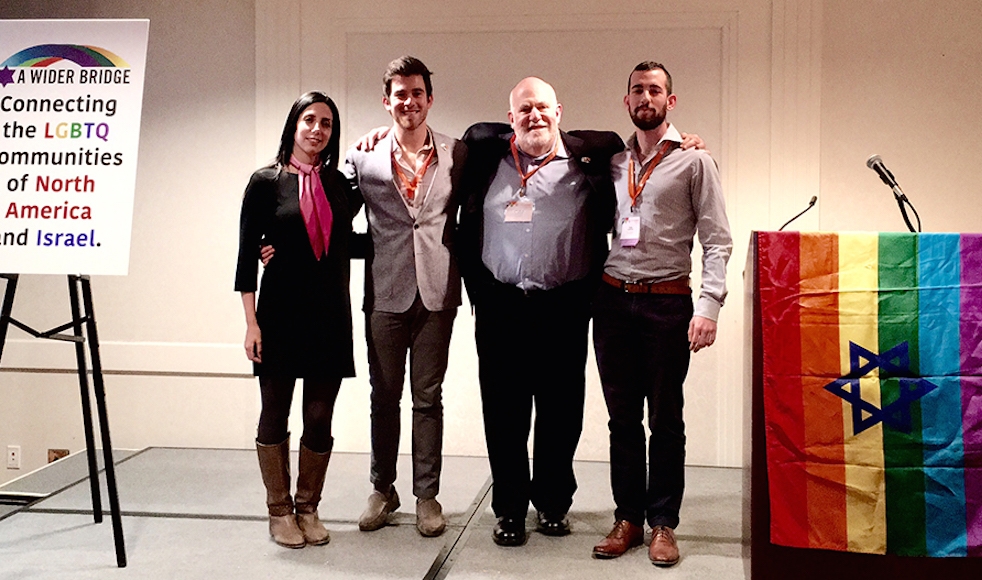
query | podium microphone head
[876, 164]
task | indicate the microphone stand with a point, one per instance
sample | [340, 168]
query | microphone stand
[898, 194]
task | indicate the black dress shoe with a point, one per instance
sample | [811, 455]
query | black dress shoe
[552, 524]
[509, 532]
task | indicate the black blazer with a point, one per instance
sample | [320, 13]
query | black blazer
[487, 145]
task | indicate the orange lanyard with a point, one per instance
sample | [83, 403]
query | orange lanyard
[634, 187]
[518, 165]
[420, 171]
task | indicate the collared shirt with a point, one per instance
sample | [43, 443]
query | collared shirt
[552, 249]
[681, 199]
[425, 182]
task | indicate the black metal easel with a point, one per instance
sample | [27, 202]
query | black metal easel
[82, 313]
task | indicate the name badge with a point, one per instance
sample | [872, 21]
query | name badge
[519, 210]
[630, 231]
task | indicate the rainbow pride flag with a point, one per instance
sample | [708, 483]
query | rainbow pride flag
[872, 369]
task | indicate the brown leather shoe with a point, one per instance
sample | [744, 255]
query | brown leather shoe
[663, 551]
[430, 521]
[622, 538]
[380, 505]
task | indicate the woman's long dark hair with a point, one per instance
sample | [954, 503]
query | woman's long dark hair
[329, 156]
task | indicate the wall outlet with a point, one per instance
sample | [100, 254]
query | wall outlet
[13, 457]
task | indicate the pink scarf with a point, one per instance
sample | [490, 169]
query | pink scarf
[314, 206]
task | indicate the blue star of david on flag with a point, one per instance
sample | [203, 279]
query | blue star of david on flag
[893, 362]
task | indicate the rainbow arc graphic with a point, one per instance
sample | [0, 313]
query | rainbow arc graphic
[43, 55]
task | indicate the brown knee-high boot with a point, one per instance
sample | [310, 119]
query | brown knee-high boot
[274, 463]
[310, 483]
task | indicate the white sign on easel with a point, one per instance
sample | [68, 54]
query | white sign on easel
[71, 96]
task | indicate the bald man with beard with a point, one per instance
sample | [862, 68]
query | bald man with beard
[538, 204]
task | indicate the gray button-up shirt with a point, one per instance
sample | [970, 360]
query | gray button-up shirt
[551, 249]
[682, 197]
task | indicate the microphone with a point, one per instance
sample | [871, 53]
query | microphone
[811, 203]
[876, 164]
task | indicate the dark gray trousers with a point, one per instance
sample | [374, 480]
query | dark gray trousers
[425, 336]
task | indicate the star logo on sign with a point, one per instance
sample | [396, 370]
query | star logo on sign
[893, 362]
[6, 76]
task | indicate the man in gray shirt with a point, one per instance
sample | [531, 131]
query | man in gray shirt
[533, 236]
[644, 322]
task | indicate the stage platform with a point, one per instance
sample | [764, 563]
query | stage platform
[200, 514]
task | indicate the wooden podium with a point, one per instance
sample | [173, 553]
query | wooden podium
[823, 501]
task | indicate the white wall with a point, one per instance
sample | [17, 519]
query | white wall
[791, 97]
[900, 79]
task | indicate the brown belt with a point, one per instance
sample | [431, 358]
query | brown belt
[679, 286]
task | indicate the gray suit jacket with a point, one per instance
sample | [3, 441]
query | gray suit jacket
[409, 255]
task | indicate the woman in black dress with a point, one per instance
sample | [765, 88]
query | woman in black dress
[302, 325]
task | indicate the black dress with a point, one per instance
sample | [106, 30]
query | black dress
[304, 305]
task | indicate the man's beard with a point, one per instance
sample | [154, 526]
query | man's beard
[531, 141]
[647, 123]
[411, 123]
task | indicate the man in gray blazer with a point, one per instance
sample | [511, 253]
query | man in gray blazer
[412, 287]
